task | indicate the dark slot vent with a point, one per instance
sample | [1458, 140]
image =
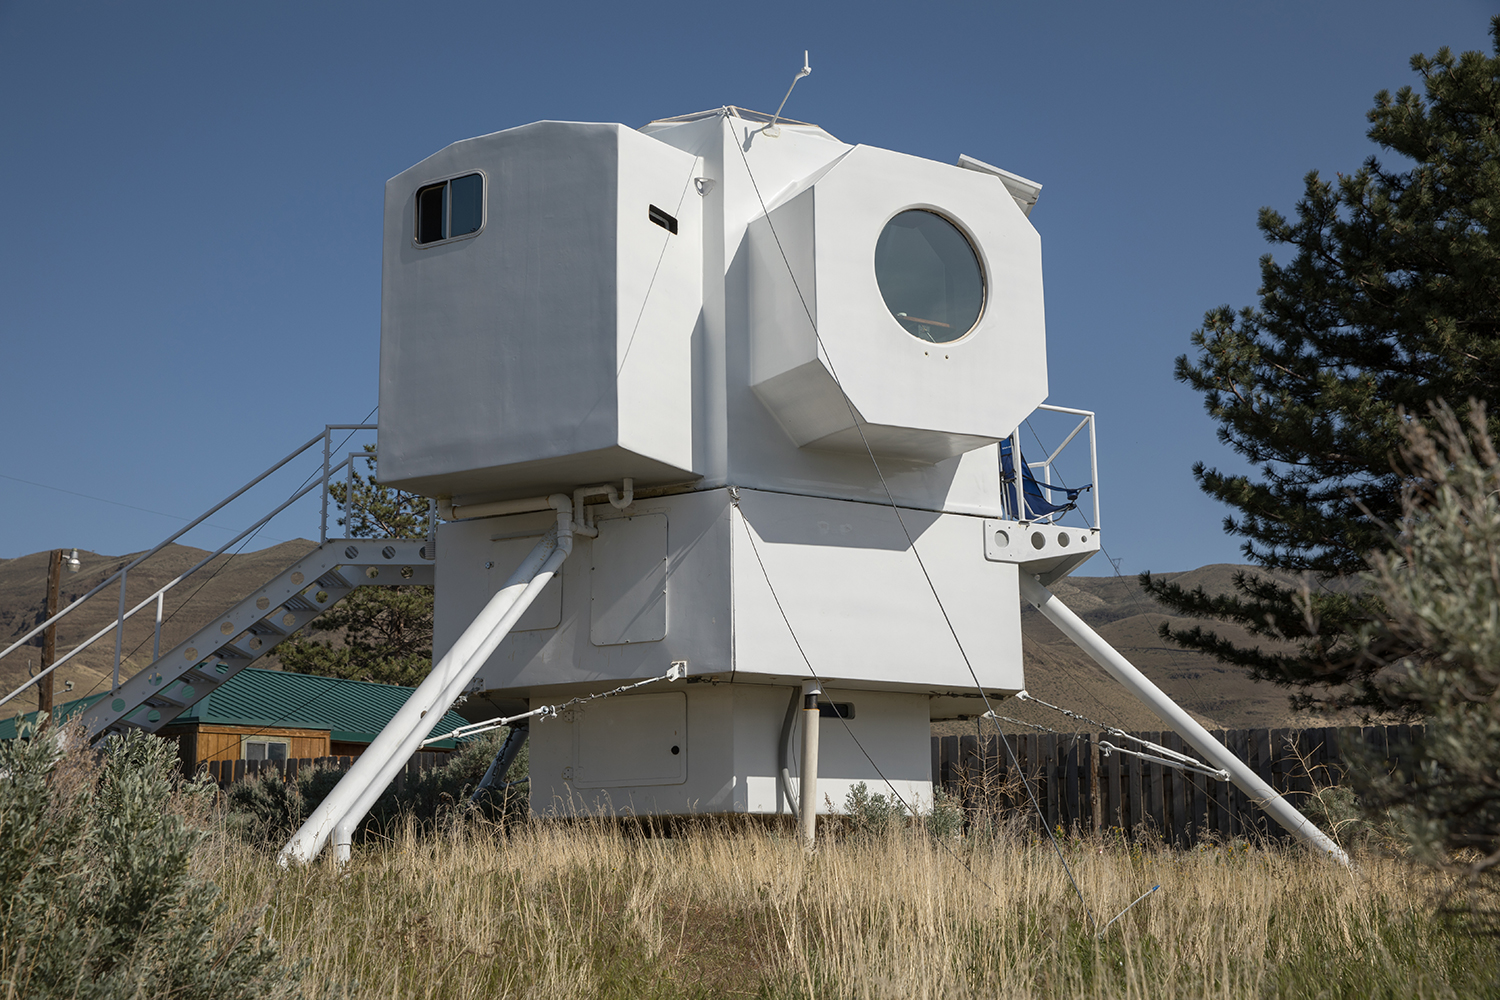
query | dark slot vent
[835, 710]
[667, 222]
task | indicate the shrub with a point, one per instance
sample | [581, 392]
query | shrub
[267, 809]
[96, 874]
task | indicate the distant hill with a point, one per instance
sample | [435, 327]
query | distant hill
[1056, 670]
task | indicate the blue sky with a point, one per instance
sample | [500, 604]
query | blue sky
[191, 284]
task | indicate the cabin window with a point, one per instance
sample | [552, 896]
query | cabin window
[450, 209]
[258, 748]
[929, 276]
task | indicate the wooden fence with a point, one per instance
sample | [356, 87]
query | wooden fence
[1079, 789]
[227, 772]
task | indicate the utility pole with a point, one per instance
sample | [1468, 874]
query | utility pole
[45, 687]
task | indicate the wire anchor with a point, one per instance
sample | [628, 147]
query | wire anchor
[676, 672]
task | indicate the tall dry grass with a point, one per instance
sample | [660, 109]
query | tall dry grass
[597, 910]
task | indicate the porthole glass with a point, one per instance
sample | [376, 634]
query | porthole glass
[929, 276]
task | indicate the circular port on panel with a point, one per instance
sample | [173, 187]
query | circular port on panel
[929, 276]
[226, 628]
[676, 751]
[351, 552]
[262, 603]
[321, 597]
[118, 704]
[388, 552]
[1002, 538]
[153, 716]
[1038, 540]
[297, 579]
[256, 643]
[288, 620]
[407, 572]
[1063, 539]
[372, 572]
[190, 653]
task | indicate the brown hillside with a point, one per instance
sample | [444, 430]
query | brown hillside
[1216, 695]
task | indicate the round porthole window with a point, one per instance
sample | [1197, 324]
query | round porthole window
[929, 276]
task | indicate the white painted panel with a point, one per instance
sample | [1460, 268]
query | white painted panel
[634, 740]
[847, 583]
[505, 555]
[628, 584]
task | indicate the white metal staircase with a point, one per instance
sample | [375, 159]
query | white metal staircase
[176, 680]
[254, 626]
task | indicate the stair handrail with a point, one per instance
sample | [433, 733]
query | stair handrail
[121, 574]
[159, 593]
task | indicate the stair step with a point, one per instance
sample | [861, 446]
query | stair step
[252, 628]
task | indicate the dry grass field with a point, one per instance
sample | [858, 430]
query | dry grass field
[594, 910]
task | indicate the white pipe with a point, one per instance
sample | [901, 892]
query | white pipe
[807, 811]
[497, 508]
[377, 766]
[1173, 715]
[583, 523]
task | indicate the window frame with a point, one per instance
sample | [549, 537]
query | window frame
[979, 258]
[245, 742]
[447, 181]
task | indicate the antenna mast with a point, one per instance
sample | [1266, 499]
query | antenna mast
[770, 129]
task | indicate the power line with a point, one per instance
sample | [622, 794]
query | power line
[116, 503]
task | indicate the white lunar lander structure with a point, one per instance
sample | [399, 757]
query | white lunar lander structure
[722, 403]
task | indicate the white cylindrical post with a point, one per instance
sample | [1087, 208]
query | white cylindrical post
[807, 811]
[156, 636]
[119, 634]
[1173, 715]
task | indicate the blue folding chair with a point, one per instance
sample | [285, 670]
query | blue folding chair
[1037, 505]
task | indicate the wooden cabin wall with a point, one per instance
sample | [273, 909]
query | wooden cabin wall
[223, 742]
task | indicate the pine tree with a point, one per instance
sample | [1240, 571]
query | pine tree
[1391, 300]
[381, 634]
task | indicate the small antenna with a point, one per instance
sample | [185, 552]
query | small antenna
[770, 129]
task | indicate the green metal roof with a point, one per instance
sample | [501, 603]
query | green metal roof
[352, 711]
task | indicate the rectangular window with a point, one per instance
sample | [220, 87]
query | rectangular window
[450, 209]
[835, 710]
[264, 749]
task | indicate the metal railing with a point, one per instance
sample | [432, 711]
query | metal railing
[1044, 469]
[158, 597]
